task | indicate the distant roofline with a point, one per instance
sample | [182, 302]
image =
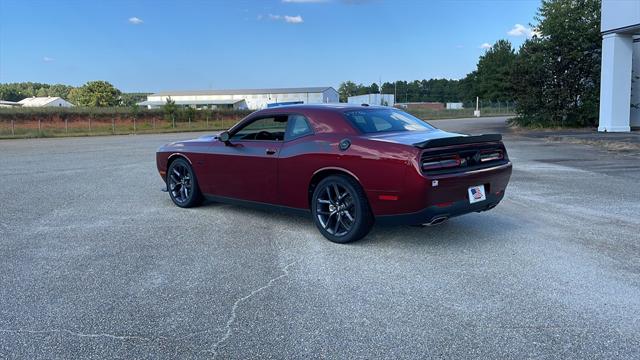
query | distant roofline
[191, 102]
[41, 100]
[327, 106]
[245, 91]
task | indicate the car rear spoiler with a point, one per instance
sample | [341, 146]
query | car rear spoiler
[458, 140]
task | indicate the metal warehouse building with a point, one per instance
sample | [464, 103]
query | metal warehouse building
[252, 99]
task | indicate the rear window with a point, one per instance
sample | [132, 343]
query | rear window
[385, 120]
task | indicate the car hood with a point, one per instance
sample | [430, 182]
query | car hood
[182, 144]
[412, 137]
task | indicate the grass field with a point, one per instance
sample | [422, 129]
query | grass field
[34, 128]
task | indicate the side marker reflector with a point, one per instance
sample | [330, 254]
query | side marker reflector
[387, 197]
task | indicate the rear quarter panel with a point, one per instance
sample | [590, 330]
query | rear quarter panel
[378, 167]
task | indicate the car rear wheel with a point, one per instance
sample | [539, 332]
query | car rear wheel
[340, 209]
[183, 185]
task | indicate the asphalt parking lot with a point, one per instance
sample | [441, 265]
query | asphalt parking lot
[96, 262]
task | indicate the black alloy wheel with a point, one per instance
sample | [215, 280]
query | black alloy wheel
[341, 210]
[183, 185]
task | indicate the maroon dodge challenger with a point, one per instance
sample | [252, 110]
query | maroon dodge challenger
[348, 165]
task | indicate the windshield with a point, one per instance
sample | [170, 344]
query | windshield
[385, 120]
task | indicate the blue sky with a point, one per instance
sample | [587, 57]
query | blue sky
[198, 44]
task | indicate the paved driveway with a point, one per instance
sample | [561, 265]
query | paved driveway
[96, 262]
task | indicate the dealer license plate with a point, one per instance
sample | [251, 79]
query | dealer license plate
[476, 194]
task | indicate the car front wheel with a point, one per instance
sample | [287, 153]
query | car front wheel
[340, 209]
[183, 185]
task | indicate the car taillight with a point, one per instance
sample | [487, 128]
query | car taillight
[491, 155]
[441, 162]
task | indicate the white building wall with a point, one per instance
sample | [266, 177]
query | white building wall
[59, 103]
[331, 96]
[258, 101]
[372, 99]
[619, 14]
[620, 22]
[45, 102]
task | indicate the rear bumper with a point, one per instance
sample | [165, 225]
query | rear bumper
[431, 213]
[446, 196]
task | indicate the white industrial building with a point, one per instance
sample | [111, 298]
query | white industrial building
[252, 99]
[45, 101]
[620, 79]
[372, 99]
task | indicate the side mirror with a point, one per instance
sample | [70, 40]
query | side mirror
[224, 137]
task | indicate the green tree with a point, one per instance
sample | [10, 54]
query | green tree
[558, 72]
[96, 94]
[19, 91]
[346, 89]
[60, 90]
[493, 75]
[190, 114]
[75, 96]
[9, 93]
[170, 109]
[129, 99]
[528, 79]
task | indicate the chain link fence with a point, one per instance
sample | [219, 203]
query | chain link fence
[487, 108]
[50, 122]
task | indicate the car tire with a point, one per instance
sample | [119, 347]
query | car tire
[182, 184]
[340, 209]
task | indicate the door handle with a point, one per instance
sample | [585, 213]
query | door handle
[270, 151]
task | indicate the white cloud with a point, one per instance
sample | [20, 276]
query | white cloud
[286, 18]
[485, 46]
[521, 30]
[135, 21]
[48, 59]
[293, 19]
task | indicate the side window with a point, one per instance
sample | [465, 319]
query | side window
[298, 126]
[380, 124]
[269, 128]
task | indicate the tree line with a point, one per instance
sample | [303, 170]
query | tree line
[93, 93]
[553, 78]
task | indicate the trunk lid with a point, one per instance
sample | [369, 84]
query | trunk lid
[433, 138]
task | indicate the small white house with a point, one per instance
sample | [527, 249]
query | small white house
[45, 101]
[372, 99]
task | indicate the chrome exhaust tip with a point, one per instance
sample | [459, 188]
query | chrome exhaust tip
[437, 221]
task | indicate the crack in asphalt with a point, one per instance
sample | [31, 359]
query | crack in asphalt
[236, 304]
[214, 348]
[105, 335]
